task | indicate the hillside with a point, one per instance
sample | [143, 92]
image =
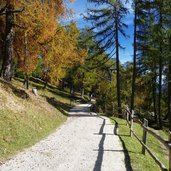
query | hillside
[26, 118]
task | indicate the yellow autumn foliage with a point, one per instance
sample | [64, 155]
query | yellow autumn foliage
[64, 52]
[39, 33]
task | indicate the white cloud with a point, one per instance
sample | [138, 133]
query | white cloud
[129, 6]
[130, 16]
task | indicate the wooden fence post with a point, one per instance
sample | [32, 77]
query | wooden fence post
[170, 151]
[126, 117]
[132, 121]
[144, 138]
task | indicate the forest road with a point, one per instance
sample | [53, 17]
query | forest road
[85, 142]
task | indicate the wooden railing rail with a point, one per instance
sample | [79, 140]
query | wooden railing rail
[161, 165]
[129, 116]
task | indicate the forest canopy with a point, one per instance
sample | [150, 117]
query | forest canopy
[31, 30]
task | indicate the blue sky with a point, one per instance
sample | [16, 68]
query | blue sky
[80, 7]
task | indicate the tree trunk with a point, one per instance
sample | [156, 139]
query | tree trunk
[26, 81]
[154, 96]
[105, 108]
[72, 89]
[9, 38]
[82, 86]
[134, 58]
[160, 89]
[45, 81]
[2, 67]
[169, 93]
[117, 64]
[82, 92]
[160, 71]
[63, 84]
[2, 10]
[113, 109]
[169, 90]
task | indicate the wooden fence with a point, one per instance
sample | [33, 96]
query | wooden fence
[129, 116]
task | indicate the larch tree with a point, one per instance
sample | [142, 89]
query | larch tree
[107, 20]
[63, 52]
[8, 11]
[169, 82]
[168, 63]
[159, 7]
[147, 51]
[153, 55]
[135, 5]
[11, 7]
[35, 28]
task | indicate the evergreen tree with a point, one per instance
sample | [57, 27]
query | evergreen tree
[135, 4]
[108, 23]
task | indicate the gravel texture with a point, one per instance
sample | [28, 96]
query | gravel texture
[85, 142]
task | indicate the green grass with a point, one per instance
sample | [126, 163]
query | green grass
[23, 122]
[140, 162]
[51, 91]
[18, 131]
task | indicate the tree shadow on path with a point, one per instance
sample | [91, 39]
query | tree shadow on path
[98, 163]
[127, 157]
[62, 107]
[65, 109]
[99, 160]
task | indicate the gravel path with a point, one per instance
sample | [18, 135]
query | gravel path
[85, 142]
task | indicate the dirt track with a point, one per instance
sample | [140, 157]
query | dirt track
[85, 142]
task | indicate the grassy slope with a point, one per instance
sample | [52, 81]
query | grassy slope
[139, 161]
[24, 122]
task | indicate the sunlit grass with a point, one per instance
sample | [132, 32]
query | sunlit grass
[20, 130]
[29, 120]
[139, 161]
